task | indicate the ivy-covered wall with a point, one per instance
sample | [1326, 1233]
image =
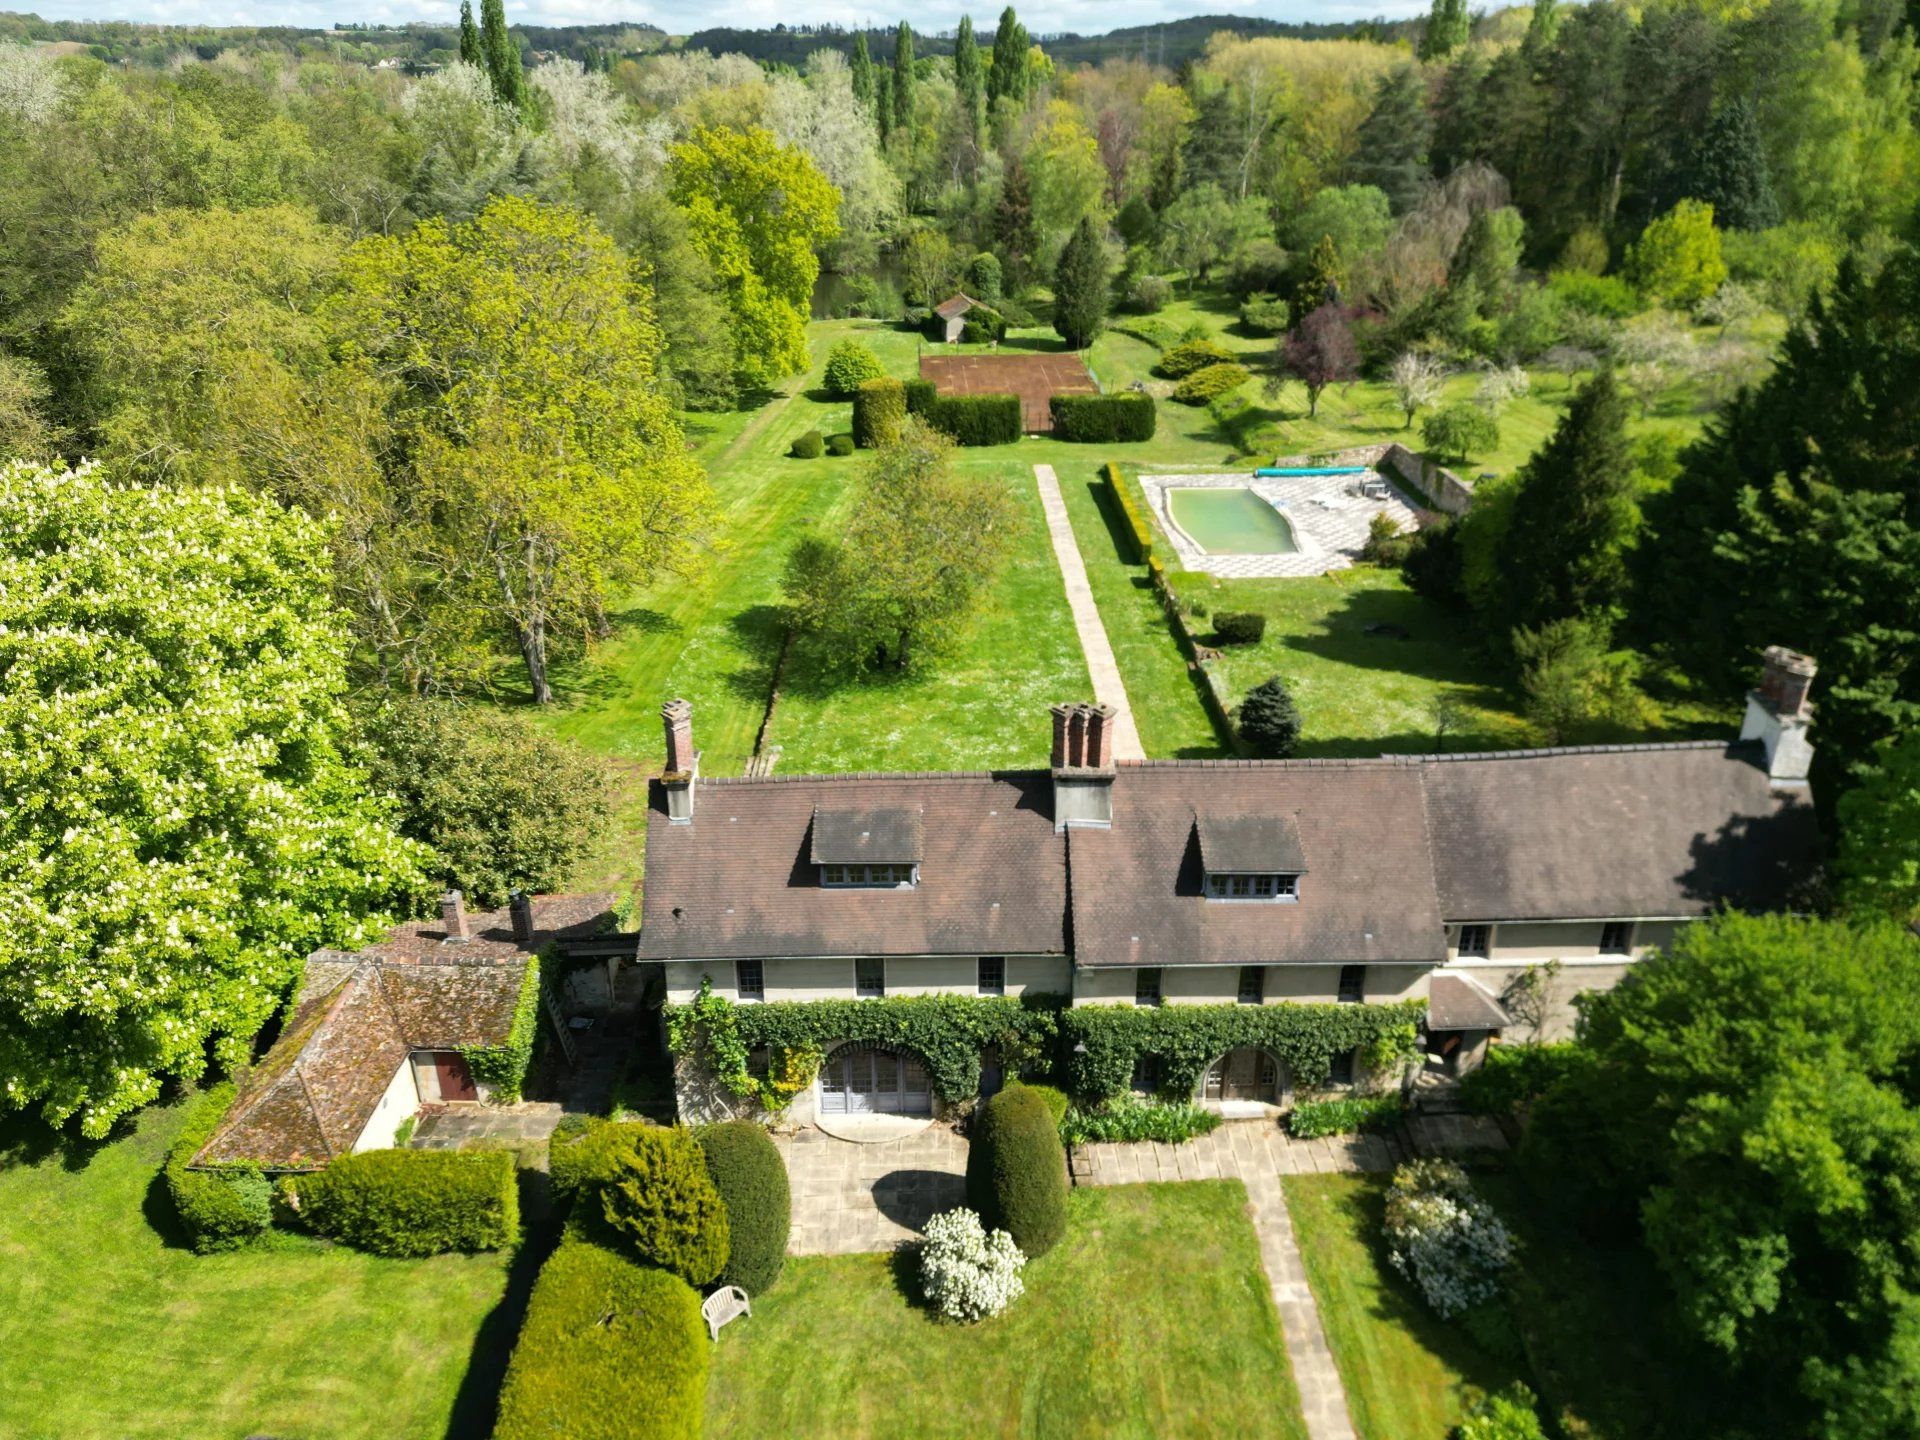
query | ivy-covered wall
[1103, 1041]
[503, 1068]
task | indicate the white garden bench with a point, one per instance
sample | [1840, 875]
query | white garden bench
[729, 1302]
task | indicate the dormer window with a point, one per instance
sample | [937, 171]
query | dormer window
[861, 849]
[1239, 885]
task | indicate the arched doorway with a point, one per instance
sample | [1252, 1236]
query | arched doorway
[1244, 1074]
[874, 1080]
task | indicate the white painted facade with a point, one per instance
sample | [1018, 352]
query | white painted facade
[401, 1100]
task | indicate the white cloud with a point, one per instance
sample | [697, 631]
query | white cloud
[1088, 17]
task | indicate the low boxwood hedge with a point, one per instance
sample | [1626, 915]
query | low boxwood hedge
[976, 419]
[1191, 356]
[746, 1168]
[808, 445]
[1104, 419]
[1211, 382]
[1017, 1170]
[411, 1202]
[1137, 527]
[841, 444]
[610, 1350]
[223, 1208]
[879, 410]
[1239, 627]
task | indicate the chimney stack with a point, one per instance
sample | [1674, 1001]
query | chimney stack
[1082, 766]
[683, 761]
[520, 907]
[453, 918]
[1779, 712]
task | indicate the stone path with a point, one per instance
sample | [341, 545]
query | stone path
[853, 1199]
[1108, 688]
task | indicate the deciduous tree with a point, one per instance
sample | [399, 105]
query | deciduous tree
[1677, 257]
[1319, 352]
[1879, 862]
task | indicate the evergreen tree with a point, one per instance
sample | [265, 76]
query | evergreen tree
[861, 69]
[1269, 720]
[966, 77]
[470, 52]
[1013, 222]
[903, 87]
[1448, 27]
[503, 56]
[1728, 169]
[1081, 287]
[1794, 522]
[1318, 278]
[1573, 515]
[1008, 76]
[1542, 29]
[883, 102]
[1391, 150]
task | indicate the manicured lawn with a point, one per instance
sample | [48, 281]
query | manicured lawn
[1404, 1370]
[1151, 1319]
[110, 1330]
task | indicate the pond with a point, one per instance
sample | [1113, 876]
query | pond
[1230, 520]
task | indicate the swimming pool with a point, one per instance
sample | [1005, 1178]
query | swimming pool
[1230, 520]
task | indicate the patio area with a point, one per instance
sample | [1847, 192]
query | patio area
[1328, 517]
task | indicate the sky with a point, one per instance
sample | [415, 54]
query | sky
[683, 16]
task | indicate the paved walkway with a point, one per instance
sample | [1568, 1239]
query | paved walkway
[853, 1199]
[1108, 688]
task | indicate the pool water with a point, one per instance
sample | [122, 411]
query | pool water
[1229, 520]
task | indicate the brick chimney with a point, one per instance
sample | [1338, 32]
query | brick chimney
[683, 761]
[453, 918]
[1083, 770]
[520, 907]
[1779, 713]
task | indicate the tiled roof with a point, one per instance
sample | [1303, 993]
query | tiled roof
[1249, 844]
[1459, 1002]
[741, 881]
[862, 836]
[357, 1017]
[957, 305]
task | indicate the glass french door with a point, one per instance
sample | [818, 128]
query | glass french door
[1245, 1074]
[865, 1080]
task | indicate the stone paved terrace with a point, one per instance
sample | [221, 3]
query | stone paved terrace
[1329, 521]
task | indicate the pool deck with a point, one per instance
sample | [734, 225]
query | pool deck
[1329, 522]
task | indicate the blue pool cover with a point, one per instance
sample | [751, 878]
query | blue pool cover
[1270, 473]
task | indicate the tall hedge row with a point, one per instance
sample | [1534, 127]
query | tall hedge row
[1017, 1170]
[1104, 419]
[920, 395]
[219, 1209]
[412, 1202]
[746, 1168]
[976, 419]
[879, 410]
[655, 1195]
[610, 1350]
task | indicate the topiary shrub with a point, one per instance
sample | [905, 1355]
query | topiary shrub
[920, 395]
[579, 1152]
[841, 444]
[1239, 627]
[655, 1195]
[1211, 383]
[1017, 1170]
[1103, 419]
[879, 410]
[984, 277]
[1189, 356]
[849, 366]
[808, 446]
[747, 1170]
[967, 1274]
[610, 1350]
[223, 1208]
[411, 1202]
[977, 419]
[1052, 1097]
[1268, 314]
[1269, 721]
[1456, 432]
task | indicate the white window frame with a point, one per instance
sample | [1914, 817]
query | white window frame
[1254, 887]
[864, 877]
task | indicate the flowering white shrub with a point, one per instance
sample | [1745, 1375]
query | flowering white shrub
[1444, 1237]
[967, 1273]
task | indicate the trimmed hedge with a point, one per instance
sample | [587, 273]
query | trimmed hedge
[1341, 1117]
[1188, 1038]
[1191, 356]
[223, 1208]
[840, 444]
[1211, 383]
[747, 1170]
[579, 1152]
[1138, 530]
[808, 445]
[982, 325]
[610, 1351]
[655, 1195]
[1104, 419]
[1017, 1170]
[1052, 1096]
[1239, 627]
[879, 410]
[849, 366]
[411, 1202]
[502, 1068]
[920, 395]
[977, 419]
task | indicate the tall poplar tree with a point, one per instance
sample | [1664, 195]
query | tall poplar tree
[470, 52]
[883, 101]
[903, 89]
[1009, 74]
[1448, 27]
[861, 69]
[503, 56]
[966, 77]
[1081, 287]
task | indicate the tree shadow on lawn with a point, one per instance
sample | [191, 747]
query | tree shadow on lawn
[761, 631]
[477, 1405]
[26, 1140]
[1417, 637]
